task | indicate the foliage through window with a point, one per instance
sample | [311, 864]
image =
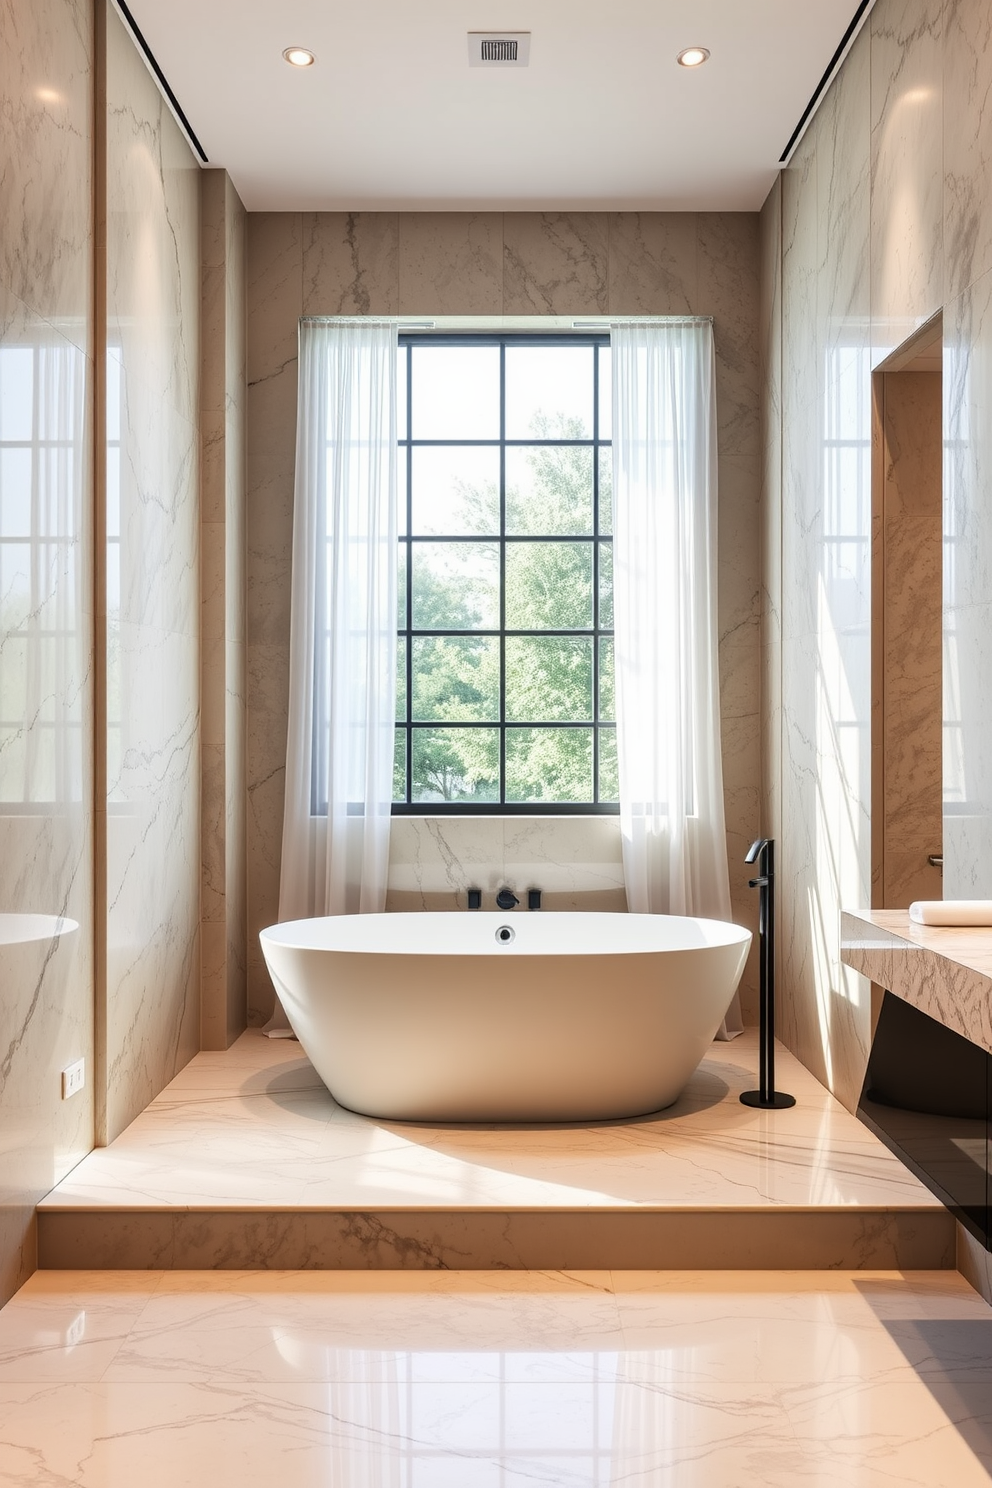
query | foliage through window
[505, 695]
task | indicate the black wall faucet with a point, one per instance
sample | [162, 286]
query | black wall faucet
[507, 899]
[533, 898]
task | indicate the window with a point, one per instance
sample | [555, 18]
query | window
[505, 691]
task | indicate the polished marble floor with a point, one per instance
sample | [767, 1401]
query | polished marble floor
[245, 1159]
[496, 1380]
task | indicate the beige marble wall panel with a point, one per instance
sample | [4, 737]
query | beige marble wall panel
[451, 263]
[46, 144]
[911, 805]
[728, 290]
[470, 263]
[46, 651]
[555, 263]
[739, 622]
[654, 263]
[907, 262]
[275, 304]
[350, 263]
[153, 849]
[967, 152]
[268, 711]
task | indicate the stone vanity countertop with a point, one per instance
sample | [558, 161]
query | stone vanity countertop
[944, 971]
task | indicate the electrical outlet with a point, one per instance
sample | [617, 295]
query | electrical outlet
[73, 1078]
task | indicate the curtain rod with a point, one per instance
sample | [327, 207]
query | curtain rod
[487, 321]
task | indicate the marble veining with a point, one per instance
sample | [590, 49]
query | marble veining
[46, 650]
[907, 250]
[244, 1159]
[555, 263]
[945, 972]
[153, 621]
[967, 97]
[223, 390]
[46, 144]
[490, 263]
[577, 1378]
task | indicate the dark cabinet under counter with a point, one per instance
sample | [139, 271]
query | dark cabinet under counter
[927, 1095]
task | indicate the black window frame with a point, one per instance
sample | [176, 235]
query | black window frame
[408, 341]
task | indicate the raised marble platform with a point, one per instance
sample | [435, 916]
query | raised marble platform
[945, 971]
[245, 1162]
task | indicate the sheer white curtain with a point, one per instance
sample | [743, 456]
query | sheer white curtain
[342, 671]
[668, 703]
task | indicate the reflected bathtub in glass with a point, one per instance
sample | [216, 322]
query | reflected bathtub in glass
[439, 1017]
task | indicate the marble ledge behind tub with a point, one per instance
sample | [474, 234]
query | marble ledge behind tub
[944, 971]
[575, 861]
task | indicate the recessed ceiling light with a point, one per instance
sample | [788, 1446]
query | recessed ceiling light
[299, 57]
[693, 57]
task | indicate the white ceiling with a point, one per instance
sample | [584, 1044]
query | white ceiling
[392, 117]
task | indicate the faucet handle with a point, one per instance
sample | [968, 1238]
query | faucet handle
[507, 899]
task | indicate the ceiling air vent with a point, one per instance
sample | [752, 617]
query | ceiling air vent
[498, 48]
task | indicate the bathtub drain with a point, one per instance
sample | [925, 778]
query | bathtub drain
[505, 934]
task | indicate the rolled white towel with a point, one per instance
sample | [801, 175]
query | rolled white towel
[951, 911]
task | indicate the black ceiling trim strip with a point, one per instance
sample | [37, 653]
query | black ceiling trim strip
[162, 79]
[825, 79]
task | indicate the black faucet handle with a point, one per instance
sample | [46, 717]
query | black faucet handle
[507, 899]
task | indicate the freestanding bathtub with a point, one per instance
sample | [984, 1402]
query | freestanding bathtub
[505, 1017]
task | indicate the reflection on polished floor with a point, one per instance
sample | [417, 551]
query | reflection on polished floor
[245, 1160]
[426, 1379]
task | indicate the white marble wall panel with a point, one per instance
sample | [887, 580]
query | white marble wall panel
[153, 282]
[486, 263]
[826, 412]
[46, 652]
[153, 868]
[574, 861]
[907, 261]
[223, 929]
[46, 143]
[911, 99]
[968, 593]
[967, 145]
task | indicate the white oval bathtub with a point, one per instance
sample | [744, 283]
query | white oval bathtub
[431, 1017]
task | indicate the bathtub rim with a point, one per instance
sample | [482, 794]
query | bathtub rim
[302, 935]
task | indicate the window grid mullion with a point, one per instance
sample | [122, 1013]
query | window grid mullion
[595, 574]
[594, 633]
[409, 575]
[502, 573]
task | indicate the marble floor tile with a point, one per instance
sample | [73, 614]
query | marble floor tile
[529, 1379]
